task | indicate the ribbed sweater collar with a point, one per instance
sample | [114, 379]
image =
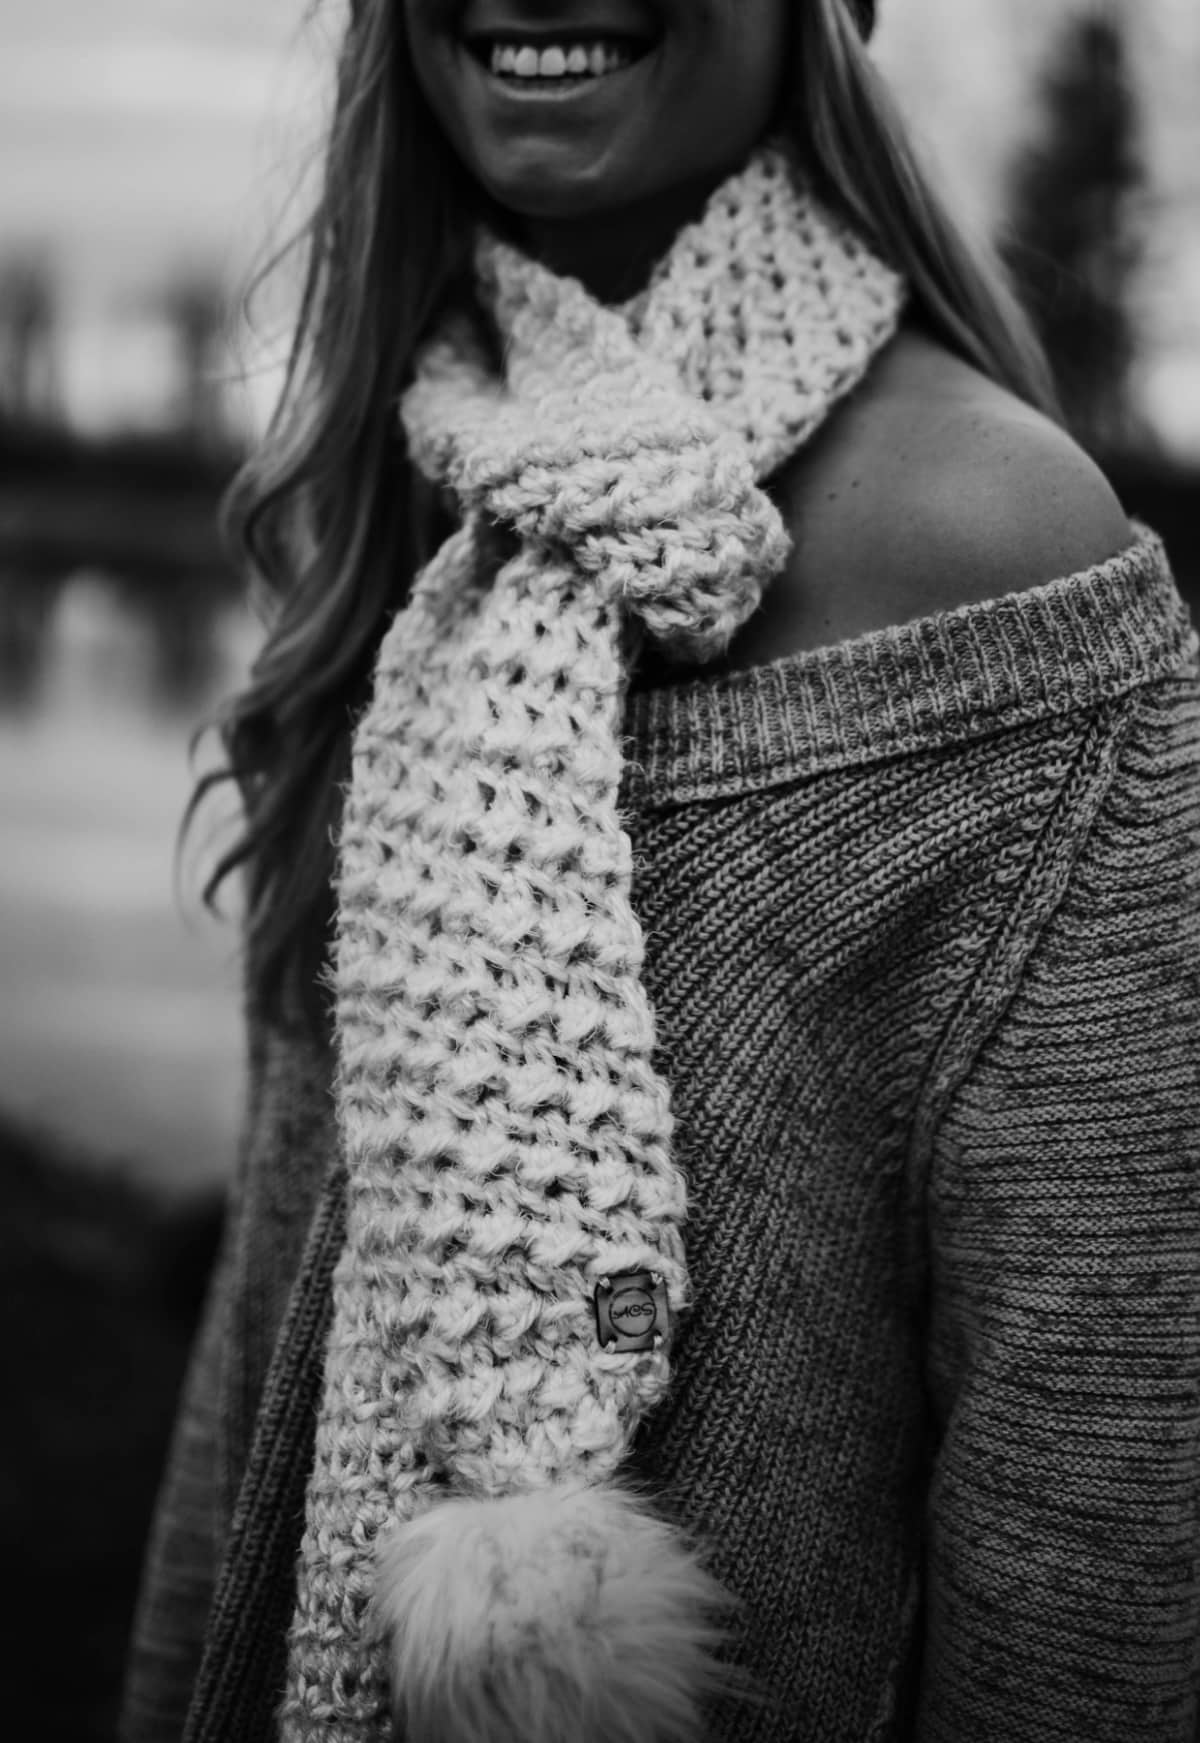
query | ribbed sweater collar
[961, 674]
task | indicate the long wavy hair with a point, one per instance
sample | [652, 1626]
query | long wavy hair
[329, 519]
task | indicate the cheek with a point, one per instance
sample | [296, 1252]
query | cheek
[736, 60]
[761, 31]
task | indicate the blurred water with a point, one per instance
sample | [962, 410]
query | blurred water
[119, 1005]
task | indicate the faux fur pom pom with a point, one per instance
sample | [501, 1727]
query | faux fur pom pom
[573, 1615]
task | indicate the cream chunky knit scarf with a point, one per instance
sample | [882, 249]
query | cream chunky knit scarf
[514, 1255]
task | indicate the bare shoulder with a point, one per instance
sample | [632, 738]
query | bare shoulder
[971, 483]
[931, 487]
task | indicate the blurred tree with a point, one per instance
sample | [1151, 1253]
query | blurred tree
[1075, 229]
[197, 311]
[29, 384]
[183, 615]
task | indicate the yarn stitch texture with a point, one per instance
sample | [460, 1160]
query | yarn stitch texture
[507, 1137]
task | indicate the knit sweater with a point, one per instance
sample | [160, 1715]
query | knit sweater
[922, 922]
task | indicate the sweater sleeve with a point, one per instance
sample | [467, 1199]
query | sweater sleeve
[1063, 1535]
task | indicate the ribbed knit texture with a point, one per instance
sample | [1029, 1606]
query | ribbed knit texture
[922, 925]
[506, 1133]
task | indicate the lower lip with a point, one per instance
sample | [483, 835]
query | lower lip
[557, 91]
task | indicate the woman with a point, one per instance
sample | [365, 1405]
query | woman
[716, 1245]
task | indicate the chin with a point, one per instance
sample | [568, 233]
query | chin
[543, 187]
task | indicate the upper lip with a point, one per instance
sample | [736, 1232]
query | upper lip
[479, 28]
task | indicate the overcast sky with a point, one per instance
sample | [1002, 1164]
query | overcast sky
[134, 133]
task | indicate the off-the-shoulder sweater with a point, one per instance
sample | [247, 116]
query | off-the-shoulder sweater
[922, 923]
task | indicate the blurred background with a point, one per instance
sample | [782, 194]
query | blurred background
[149, 152]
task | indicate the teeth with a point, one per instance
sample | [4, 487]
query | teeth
[558, 61]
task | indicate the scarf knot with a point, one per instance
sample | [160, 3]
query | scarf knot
[594, 451]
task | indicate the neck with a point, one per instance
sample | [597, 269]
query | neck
[614, 253]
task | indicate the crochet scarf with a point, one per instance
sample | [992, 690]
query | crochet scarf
[474, 1569]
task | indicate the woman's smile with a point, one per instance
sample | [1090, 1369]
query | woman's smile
[554, 83]
[521, 70]
[569, 109]
[558, 64]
